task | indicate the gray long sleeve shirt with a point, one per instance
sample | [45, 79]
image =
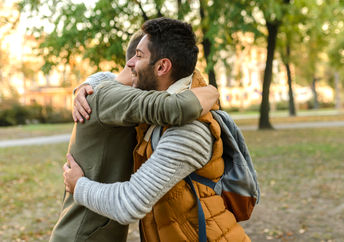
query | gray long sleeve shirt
[181, 150]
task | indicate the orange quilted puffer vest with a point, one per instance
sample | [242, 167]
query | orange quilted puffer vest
[174, 217]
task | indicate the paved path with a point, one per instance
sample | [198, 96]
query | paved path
[65, 137]
[36, 140]
[281, 114]
[301, 125]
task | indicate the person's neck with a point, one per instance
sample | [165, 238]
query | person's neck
[124, 76]
[163, 84]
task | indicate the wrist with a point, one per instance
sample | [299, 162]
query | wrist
[80, 189]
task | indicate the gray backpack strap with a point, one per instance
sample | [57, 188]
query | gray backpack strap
[155, 138]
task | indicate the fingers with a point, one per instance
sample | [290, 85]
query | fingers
[68, 189]
[81, 98]
[80, 109]
[89, 89]
[214, 91]
[77, 116]
[65, 167]
[207, 97]
[72, 163]
[69, 159]
[65, 172]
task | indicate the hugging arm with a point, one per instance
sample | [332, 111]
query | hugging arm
[81, 108]
[159, 108]
[177, 155]
[121, 105]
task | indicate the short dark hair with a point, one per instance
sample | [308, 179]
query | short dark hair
[175, 40]
[134, 41]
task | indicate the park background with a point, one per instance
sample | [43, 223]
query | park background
[278, 65]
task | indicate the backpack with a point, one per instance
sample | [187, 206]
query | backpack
[238, 185]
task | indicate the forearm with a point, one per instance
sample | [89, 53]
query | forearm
[177, 155]
[121, 105]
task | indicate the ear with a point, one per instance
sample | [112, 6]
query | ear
[163, 67]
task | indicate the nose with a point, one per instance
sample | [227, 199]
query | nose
[131, 62]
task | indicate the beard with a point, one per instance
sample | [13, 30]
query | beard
[146, 79]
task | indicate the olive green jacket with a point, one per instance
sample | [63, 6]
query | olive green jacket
[103, 147]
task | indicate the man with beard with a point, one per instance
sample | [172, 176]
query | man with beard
[104, 144]
[156, 193]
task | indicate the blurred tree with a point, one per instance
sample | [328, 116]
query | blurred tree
[219, 20]
[336, 50]
[97, 31]
[273, 12]
[264, 17]
[296, 25]
[317, 33]
[287, 39]
[8, 23]
[206, 12]
[100, 31]
[295, 30]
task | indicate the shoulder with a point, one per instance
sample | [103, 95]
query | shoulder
[102, 76]
[195, 133]
[197, 127]
[193, 141]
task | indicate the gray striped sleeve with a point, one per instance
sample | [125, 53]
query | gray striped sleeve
[181, 151]
[97, 78]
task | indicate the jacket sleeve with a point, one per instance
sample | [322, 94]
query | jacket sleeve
[121, 105]
[181, 151]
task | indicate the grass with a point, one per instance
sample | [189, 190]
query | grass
[300, 173]
[31, 188]
[26, 131]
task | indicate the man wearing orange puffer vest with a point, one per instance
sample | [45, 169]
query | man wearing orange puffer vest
[174, 216]
[157, 193]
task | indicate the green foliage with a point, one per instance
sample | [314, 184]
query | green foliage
[284, 105]
[220, 21]
[98, 32]
[253, 108]
[13, 113]
[310, 104]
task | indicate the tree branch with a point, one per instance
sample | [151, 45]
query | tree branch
[144, 15]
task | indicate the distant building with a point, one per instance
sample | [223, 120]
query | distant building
[57, 97]
[33, 86]
[241, 87]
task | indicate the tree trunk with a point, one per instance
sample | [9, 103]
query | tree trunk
[337, 90]
[315, 94]
[264, 120]
[211, 73]
[292, 110]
